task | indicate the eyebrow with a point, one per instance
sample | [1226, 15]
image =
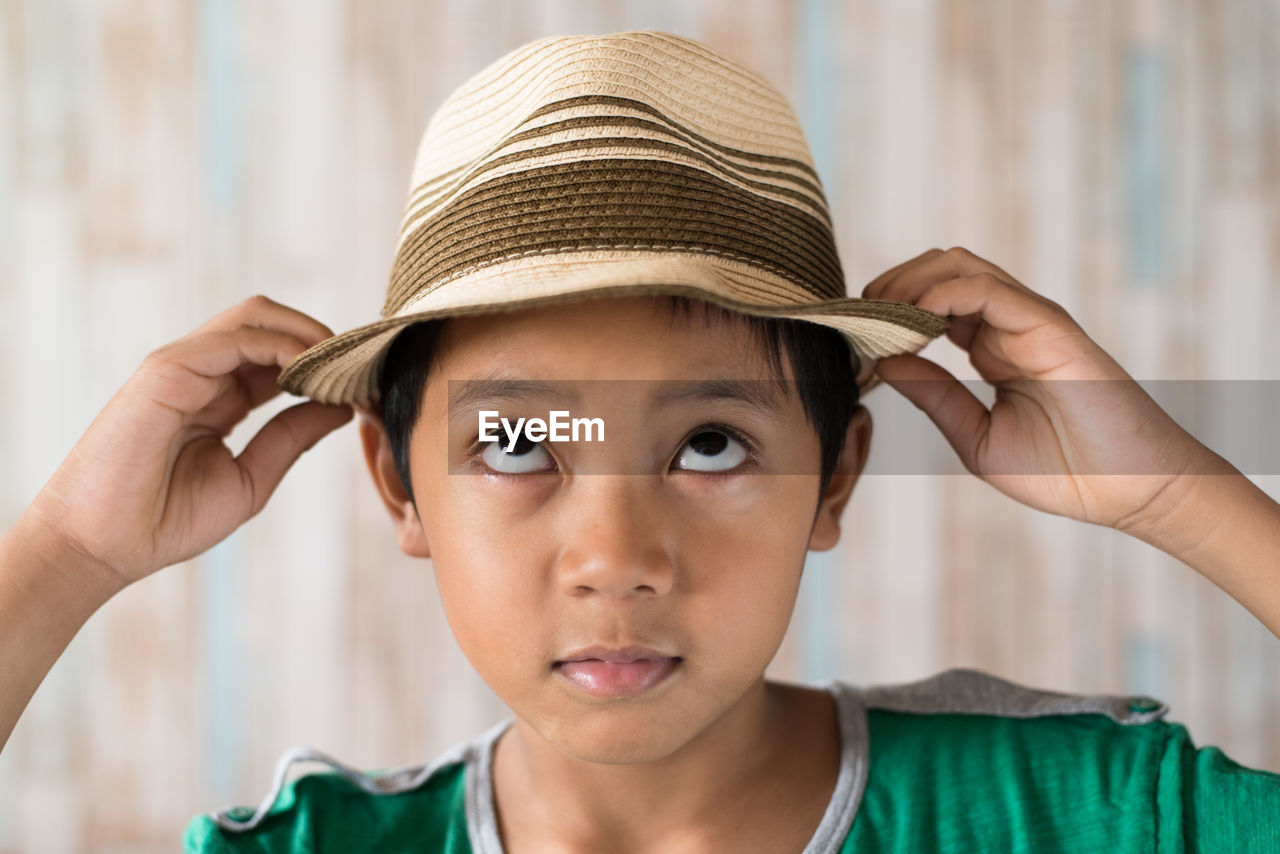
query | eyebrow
[748, 392]
[500, 390]
[486, 390]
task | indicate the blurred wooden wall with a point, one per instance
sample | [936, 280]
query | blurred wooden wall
[161, 160]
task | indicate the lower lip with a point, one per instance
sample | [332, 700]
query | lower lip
[617, 679]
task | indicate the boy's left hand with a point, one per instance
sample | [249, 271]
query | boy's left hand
[1100, 452]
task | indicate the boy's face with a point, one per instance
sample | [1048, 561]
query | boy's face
[701, 566]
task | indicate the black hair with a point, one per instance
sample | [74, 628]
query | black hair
[819, 355]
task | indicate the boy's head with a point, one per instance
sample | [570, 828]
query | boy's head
[562, 199]
[698, 558]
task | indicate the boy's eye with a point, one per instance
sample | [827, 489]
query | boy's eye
[712, 450]
[524, 457]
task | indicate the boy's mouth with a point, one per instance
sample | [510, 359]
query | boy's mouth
[623, 655]
[626, 672]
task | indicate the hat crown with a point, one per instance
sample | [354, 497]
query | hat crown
[639, 140]
[679, 77]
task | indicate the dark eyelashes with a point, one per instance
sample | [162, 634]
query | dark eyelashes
[476, 447]
[728, 431]
[753, 458]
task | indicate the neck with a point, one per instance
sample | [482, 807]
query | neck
[744, 765]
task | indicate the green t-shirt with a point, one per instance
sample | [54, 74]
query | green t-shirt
[961, 762]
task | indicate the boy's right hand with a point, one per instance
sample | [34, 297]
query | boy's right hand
[151, 483]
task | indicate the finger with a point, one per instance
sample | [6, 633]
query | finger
[259, 383]
[964, 256]
[874, 287]
[190, 373]
[961, 418]
[962, 331]
[264, 312]
[908, 285]
[1002, 305]
[243, 390]
[282, 440]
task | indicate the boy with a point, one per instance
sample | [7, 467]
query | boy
[627, 621]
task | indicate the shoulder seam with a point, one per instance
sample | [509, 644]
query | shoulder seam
[969, 691]
[395, 780]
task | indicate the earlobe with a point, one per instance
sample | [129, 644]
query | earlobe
[410, 535]
[853, 457]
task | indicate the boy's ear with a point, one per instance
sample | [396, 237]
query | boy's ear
[382, 467]
[853, 457]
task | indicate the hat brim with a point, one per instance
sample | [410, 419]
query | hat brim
[346, 367]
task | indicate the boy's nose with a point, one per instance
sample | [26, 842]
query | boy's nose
[616, 544]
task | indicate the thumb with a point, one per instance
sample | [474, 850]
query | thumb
[282, 440]
[931, 388]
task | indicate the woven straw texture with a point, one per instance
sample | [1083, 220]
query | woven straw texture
[592, 166]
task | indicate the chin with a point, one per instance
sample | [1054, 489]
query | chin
[619, 735]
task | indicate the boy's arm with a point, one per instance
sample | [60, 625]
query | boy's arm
[1071, 433]
[47, 592]
[1227, 529]
[151, 483]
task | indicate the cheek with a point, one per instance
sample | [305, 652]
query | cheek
[500, 628]
[490, 593]
[744, 562]
[762, 521]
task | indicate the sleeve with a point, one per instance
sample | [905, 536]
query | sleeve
[1209, 804]
[204, 836]
[295, 822]
[321, 813]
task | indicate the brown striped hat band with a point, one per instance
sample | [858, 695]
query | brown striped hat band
[590, 166]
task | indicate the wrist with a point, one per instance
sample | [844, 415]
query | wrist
[1185, 513]
[35, 550]
[47, 592]
[1227, 529]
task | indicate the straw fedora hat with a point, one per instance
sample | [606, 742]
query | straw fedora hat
[587, 166]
